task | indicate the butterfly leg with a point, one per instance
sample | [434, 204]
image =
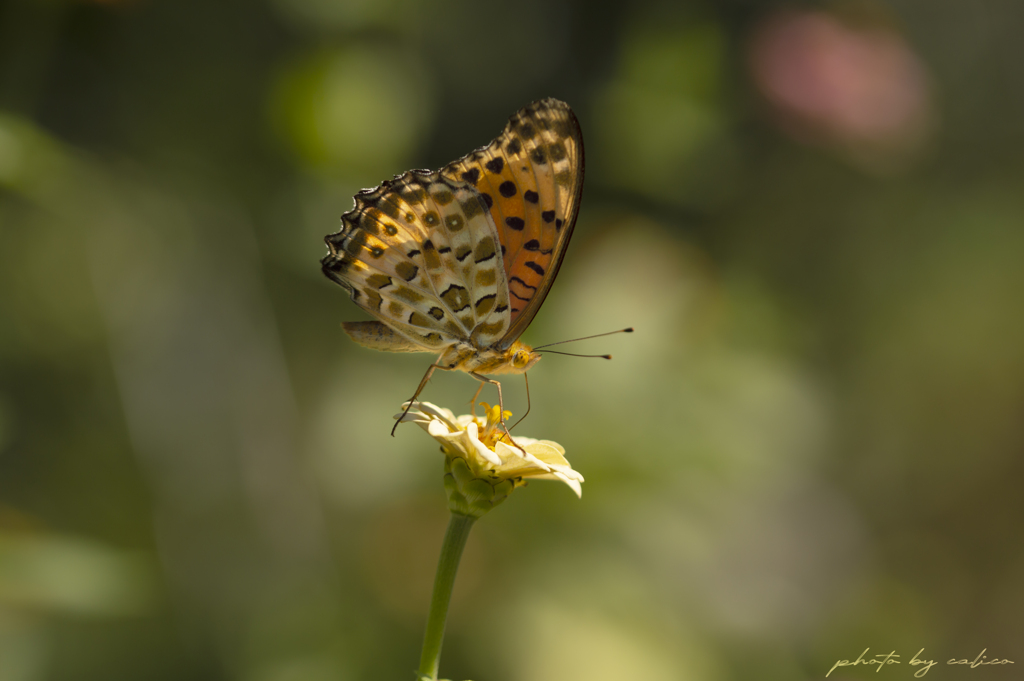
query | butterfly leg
[475, 396]
[501, 407]
[423, 384]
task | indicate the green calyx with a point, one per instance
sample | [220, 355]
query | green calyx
[471, 495]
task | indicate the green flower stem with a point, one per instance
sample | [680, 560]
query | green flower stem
[451, 553]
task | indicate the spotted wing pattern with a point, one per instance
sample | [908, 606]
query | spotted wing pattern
[531, 180]
[421, 254]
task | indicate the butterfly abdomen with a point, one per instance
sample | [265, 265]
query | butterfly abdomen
[379, 336]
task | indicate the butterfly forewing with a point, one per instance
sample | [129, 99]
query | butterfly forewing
[421, 254]
[531, 179]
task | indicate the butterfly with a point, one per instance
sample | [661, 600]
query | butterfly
[458, 261]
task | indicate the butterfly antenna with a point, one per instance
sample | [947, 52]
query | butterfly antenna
[609, 333]
[571, 354]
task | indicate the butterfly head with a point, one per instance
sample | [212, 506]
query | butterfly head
[521, 357]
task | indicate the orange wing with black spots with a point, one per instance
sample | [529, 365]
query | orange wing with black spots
[531, 179]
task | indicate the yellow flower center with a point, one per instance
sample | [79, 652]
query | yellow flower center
[490, 428]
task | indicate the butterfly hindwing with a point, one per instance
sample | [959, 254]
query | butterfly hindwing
[421, 254]
[531, 179]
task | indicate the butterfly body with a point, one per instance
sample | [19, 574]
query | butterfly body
[461, 356]
[517, 359]
[458, 261]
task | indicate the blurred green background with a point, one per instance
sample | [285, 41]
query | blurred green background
[812, 214]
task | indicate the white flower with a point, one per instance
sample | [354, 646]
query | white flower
[477, 451]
